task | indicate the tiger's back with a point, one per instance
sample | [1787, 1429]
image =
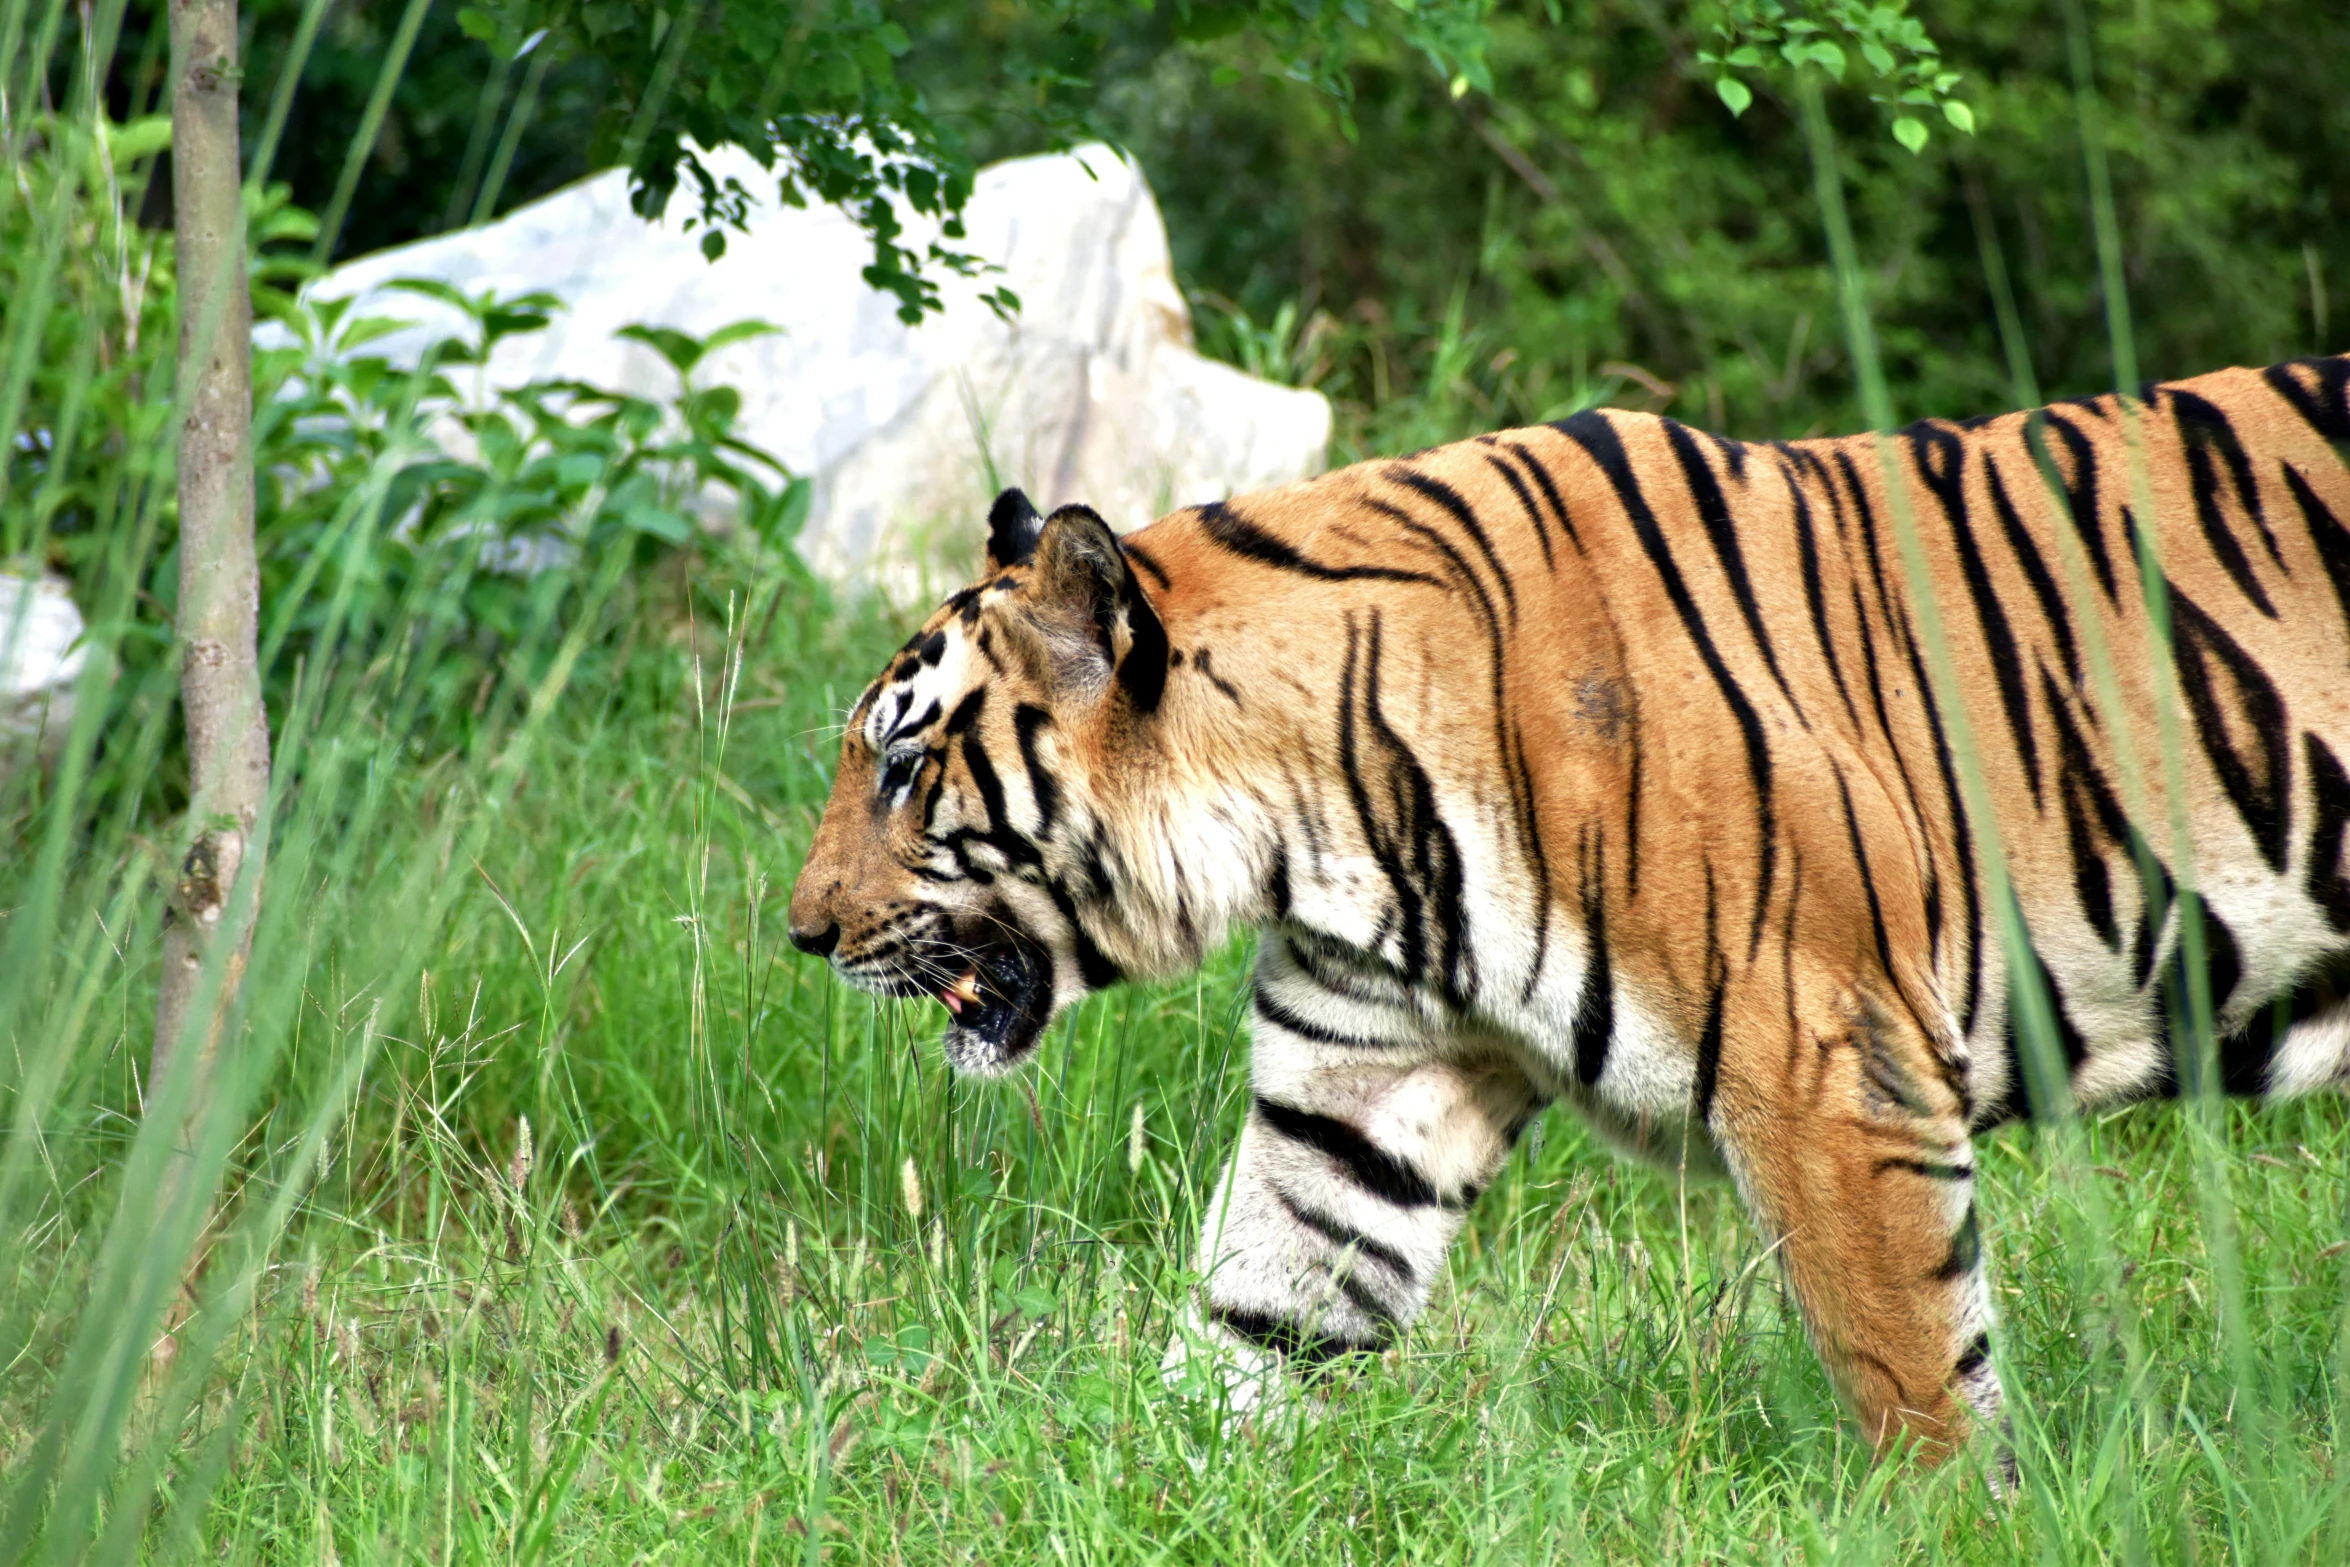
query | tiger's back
[1707, 682]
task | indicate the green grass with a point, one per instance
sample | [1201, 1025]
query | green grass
[699, 1321]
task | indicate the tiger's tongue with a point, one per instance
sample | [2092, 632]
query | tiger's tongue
[962, 993]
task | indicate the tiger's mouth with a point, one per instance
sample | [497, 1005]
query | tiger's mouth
[998, 1005]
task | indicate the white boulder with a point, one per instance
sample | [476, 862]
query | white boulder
[40, 660]
[1091, 392]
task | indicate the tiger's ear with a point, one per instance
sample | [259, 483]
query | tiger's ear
[1096, 620]
[1012, 527]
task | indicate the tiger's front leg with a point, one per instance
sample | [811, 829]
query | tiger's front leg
[1368, 1137]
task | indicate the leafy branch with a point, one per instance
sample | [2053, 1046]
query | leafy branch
[1905, 62]
[814, 90]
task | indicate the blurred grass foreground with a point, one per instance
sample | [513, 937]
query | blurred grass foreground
[534, 1203]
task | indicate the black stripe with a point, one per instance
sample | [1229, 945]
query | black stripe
[1595, 1004]
[2326, 532]
[1530, 832]
[1909, 787]
[2196, 421]
[2330, 787]
[1709, 1039]
[2084, 791]
[998, 832]
[1526, 502]
[1143, 558]
[2260, 786]
[1558, 508]
[2206, 428]
[2325, 407]
[912, 725]
[1371, 1167]
[1962, 829]
[966, 712]
[1229, 529]
[1142, 673]
[1450, 499]
[1597, 436]
[2080, 491]
[1401, 826]
[2035, 569]
[1027, 719]
[1941, 461]
[1714, 511]
[1973, 1357]
[1966, 1249]
[1868, 878]
[1931, 1169]
[1280, 1016]
[1814, 593]
[2248, 1053]
[1201, 661]
[1632, 812]
[1283, 1337]
[2243, 1068]
[1346, 1237]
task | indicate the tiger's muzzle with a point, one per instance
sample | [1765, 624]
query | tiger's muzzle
[995, 983]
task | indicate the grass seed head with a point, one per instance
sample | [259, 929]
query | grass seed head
[518, 1168]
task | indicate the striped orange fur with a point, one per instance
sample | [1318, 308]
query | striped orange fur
[1602, 763]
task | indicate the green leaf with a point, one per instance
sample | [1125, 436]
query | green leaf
[1033, 1301]
[1961, 118]
[659, 521]
[681, 349]
[713, 243]
[1828, 58]
[477, 24]
[737, 332]
[1746, 57]
[1735, 94]
[1911, 133]
[1879, 57]
[578, 470]
[147, 134]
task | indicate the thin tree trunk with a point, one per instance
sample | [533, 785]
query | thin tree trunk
[219, 589]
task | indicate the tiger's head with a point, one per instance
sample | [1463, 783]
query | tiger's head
[967, 846]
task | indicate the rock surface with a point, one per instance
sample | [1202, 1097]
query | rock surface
[40, 659]
[1091, 393]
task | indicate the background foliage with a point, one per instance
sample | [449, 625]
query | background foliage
[1598, 206]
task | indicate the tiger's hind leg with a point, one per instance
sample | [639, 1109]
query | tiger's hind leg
[1364, 1148]
[1846, 1131]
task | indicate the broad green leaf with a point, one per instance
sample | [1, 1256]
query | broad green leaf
[1911, 133]
[148, 134]
[681, 349]
[737, 332]
[1735, 94]
[659, 521]
[1959, 115]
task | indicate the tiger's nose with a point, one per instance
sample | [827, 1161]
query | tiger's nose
[816, 943]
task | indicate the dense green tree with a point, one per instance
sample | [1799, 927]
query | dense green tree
[1563, 183]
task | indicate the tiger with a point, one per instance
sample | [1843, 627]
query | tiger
[1746, 798]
